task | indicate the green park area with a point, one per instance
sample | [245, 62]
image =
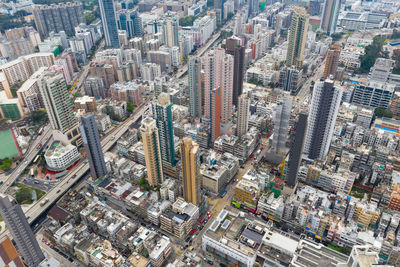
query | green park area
[24, 194]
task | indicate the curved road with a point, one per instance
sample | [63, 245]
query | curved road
[29, 156]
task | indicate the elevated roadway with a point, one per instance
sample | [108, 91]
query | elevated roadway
[80, 170]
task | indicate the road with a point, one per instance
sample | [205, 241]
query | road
[37, 209]
[29, 156]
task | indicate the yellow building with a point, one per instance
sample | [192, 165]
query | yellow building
[366, 213]
[297, 37]
[247, 192]
[152, 154]
[191, 170]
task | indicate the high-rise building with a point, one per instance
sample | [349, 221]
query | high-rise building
[254, 7]
[297, 37]
[91, 141]
[219, 5]
[322, 117]
[215, 111]
[281, 123]
[58, 17]
[243, 115]
[290, 79]
[21, 232]
[152, 154]
[330, 16]
[190, 155]
[296, 149]
[194, 80]
[218, 73]
[234, 48]
[131, 22]
[109, 20]
[163, 115]
[58, 104]
[332, 61]
[170, 32]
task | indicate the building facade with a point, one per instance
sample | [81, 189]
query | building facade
[195, 96]
[332, 60]
[151, 145]
[108, 17]
[58, 17]
[21, 232]
[281, 124]
[330, 16]
[296, 150]
[163, 115]
[297, 37]
[58, 104]
[321, 121]
[93, 148]
[243, 115]
[190, 155]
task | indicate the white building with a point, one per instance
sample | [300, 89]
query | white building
[59, 157]
[321, 121]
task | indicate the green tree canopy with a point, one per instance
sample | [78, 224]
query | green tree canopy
[129, 107]
[382, 112]
[38, 117]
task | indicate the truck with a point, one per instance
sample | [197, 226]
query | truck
[44, 202]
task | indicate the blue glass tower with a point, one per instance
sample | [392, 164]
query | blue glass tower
[108, 18]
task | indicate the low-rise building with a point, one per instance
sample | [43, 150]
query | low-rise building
[59, 157]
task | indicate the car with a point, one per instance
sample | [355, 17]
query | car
[58, 191]
[36, 182]
[187, 239]
[210, 262]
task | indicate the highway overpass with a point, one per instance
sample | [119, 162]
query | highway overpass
[28, 157]
[54, 194]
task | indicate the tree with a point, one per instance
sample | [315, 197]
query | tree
[382, 112]
[38, 117]
[129, 107]
[5, 164]
[372, 52]
[89, 18]
[226, 34]
[77, 94]
[305, 68]
[253, 80]
[395, 34]
[336, 36]
[396, 58]
[23, 195]
[186, 21]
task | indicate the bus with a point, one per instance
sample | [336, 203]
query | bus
[31, 172]
[193, 231]
[223, 193]
[36, 159]
[202, 220]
